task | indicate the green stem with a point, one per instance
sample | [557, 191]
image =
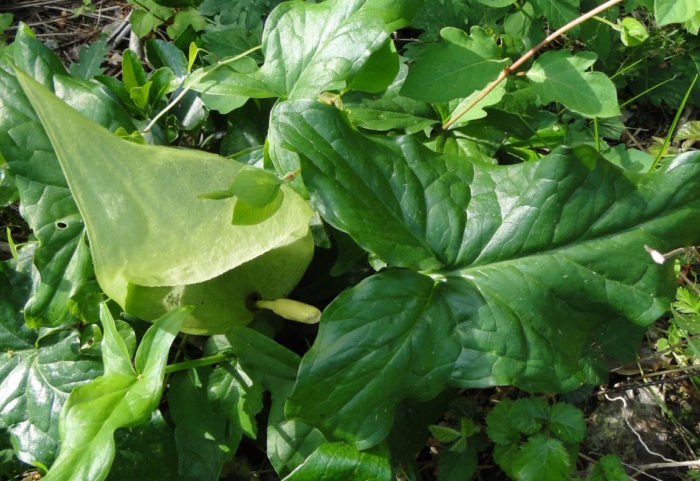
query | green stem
[202, 361]
[606, 22]
[649, 90]
[193, 80]
[527, 56]
[595, 132]
[667, 140]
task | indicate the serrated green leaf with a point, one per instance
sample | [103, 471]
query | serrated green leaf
[457, 466]
[547, 233]
[124, 396]
[341, 462]
[125, 242]
[608, 468]
[528, 415]
[674, 11]
[567, 423]
[557, 76]
[542, 459]
[90, 60]
[498, 424]
[474, 61]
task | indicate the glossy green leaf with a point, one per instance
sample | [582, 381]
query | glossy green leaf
[542, 459]
[133, 74]
[379, 71]
[389, 110]
[36, 375]
[547, 233]
[90, 60]
[557, 76]
[289, 442]
[674, 11]
[124, 396]
[145, 451]
[340, 462]
[204, 442]
[474, 61]
[164, 54]
[308, 48]
[557, 12]
[127, 196]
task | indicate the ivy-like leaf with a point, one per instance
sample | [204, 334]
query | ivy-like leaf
[128, 197]
[523, 260]
[124, 396]
[36, 375]
[557, 76]
[91, 57]
[455, 67]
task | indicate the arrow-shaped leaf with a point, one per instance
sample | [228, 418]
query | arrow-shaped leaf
[124, 396]
[522, 265]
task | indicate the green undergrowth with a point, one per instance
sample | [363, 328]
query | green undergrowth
[456, 200]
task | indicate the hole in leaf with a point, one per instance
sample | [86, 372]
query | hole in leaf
[61, 225]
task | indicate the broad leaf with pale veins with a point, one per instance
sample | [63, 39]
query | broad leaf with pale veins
[509, 271]
[36, 375]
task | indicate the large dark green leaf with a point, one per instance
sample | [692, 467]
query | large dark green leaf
[36, 376]
[522, 266]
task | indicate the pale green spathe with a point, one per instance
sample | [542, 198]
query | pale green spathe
[148, 228]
